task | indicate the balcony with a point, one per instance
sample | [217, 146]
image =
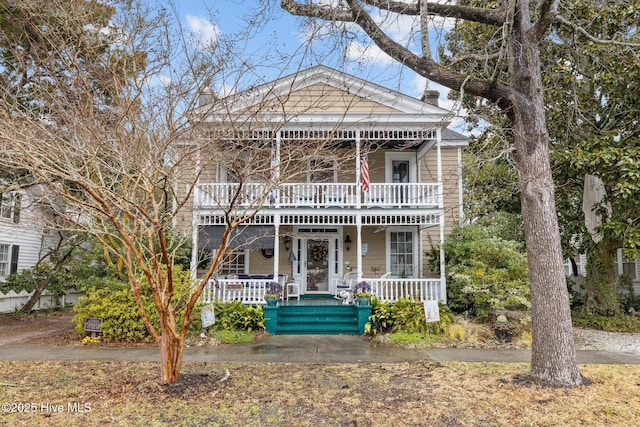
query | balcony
[319, 195]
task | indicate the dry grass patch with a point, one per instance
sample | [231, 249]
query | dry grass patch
[418, 394]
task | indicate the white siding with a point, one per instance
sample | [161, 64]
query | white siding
[29, 234]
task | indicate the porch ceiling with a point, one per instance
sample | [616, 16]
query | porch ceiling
[373, 218]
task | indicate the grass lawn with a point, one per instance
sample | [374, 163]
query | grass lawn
[419, 394]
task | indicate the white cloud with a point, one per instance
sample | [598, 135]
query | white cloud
[370, 54]
[204, 33]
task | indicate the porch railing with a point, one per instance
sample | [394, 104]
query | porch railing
[391, 290]
[250, 291]
[319, 195]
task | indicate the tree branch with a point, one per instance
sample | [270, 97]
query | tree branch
[495, 92]
[579, 29]
[476, 14]
[548, 12]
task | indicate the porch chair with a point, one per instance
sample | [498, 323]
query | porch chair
[346, 284]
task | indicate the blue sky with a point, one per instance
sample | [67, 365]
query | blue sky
[277, 46]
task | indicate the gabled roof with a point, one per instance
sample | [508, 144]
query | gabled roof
[390, 106]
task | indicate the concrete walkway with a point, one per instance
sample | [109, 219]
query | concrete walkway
[304, 349]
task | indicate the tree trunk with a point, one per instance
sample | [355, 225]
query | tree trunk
[171, 351]
[553, 355]
[37, 292]
[601, 296]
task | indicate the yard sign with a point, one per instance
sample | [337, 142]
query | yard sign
[431, 311]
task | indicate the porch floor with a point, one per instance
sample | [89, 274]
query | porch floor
[312, 300]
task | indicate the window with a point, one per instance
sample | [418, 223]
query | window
[10, 206]
[401, 253]
[233, 262]
[322, 169]
[4, 260]
[629, 269]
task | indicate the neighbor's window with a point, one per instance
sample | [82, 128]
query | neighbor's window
[10, 206]
[402, 256]
[233, 262]
[629, 269]
[4, 260]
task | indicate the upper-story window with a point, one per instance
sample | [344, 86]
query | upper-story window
[401, 167]
[10, 206]
[322, 169]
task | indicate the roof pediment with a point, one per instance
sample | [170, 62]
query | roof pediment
[323, 91]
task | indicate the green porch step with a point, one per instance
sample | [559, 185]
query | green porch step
[318, 319]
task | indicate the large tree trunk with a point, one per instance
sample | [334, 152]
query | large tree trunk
[553, 355]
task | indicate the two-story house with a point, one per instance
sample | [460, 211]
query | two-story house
[24, 236]
[347, 181]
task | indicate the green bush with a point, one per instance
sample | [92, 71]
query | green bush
[121, 319]
[407, 316]
[623, 323]
[234, 315]
[485, 273]
[29, 278]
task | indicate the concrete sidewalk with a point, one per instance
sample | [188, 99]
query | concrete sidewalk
[304, 349]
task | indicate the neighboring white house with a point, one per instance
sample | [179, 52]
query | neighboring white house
[24, 235]
[623, 268]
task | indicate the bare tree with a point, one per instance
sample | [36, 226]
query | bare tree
[120, 137]
[510, 78]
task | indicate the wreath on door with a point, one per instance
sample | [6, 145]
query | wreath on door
[319, 252]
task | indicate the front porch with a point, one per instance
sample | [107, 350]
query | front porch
[319, 313]
[252, 291]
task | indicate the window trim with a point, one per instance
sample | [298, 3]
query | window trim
[10, 202]
[415, 237]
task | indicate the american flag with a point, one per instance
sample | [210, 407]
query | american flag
[364, 172]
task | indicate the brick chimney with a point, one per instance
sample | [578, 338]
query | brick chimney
[431, 97]
[205, 96]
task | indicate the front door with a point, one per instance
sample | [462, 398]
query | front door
[317, 274]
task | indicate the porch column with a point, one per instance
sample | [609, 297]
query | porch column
[359, 246]
[276, 172]
[443, 282]
[358, 179]
[276, 247]
[195, 219]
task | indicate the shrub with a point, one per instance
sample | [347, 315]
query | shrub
[622, 323]
[406, 315]
[29, 278]
[485, 273]
[121, 319]
[234, 315]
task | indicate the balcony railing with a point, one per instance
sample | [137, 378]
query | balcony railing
[385, 195]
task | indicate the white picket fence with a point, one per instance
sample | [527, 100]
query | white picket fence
[13, 301]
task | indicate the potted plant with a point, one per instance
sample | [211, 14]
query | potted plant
[503, 328]
[363, 293]
[274, 290]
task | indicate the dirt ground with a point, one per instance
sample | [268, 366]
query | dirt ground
[38, 329]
